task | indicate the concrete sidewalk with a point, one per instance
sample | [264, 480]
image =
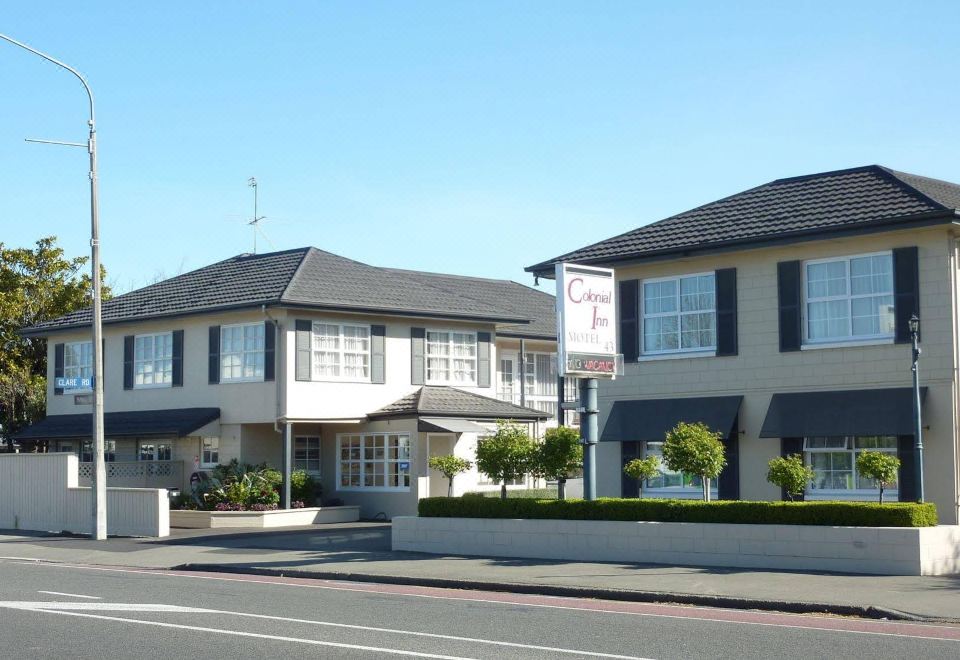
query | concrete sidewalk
[361, 551]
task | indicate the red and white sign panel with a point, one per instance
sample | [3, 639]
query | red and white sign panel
[586, 319]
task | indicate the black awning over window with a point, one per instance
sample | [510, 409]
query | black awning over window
[176, 422]
[650, 419]
[840, 413]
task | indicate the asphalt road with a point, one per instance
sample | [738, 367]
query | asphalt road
[72, 611]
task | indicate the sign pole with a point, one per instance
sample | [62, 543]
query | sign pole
[588, 435]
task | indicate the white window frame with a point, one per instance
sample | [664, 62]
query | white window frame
[309, 457]
[450, 357]
[340, 351]
[213, 452]
[385, 462]
[853, 494]
[849, 339]
[687, 352]
[156, 445]
[673, 492]
[153, 360]
[80, 370]
[242, 353]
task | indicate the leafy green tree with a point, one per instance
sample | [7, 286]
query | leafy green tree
[559, 455]
[642, 469]
[790, 473]
[449, 466]
[879, 466]
[695, 449]
[506, 455]
[36, 284]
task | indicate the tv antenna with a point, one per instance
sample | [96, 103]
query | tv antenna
[255, 223]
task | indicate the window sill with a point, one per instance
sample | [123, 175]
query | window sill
[449, 383]
[880, 341]
[651, 357]
[228, 381]
[159, 386]
[362, 381]
[852, 496]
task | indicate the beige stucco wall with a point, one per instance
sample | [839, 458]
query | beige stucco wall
[761, 369]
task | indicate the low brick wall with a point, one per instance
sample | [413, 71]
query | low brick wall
[264, 519]
[876, 550]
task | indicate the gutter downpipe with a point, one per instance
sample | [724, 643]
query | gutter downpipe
[953, 246]
[280, 377]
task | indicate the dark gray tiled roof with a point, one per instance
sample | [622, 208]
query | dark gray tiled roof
[435, 401]
[799, 206]
[176, 422]
[310, 277]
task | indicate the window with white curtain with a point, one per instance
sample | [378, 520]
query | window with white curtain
[153, 360]
[849, 298]
[451, 357]
[341, 351]
[241, 352]
[679, 314]
[78, 359]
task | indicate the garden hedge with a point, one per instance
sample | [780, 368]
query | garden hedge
[852, 514]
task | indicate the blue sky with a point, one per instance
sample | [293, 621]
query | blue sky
[465, 137]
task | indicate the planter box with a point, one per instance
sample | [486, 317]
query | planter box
[873, 550]
[264, 519]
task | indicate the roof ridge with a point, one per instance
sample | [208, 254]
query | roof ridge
[822, 175]
[897, 177]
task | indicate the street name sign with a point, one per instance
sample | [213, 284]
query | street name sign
[73, 383]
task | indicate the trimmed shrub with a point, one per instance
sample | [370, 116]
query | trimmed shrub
[449, 466]
[879, 466]
[507, 455]
[695, 449]
[303, 488]
[842, 514]
[790, 473]
[642, 469]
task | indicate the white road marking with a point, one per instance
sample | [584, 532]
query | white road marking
[100, 607]
[60, 593]
[278, 638]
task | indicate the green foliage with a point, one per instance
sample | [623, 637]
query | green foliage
[242, 486]
[527, 493]
[879, 466]
[642, 469]
[695, 449]
[304, 488]
[36, 284]
[856, 514]
[560, 454]
[790, 473]
[449, 466]
[506, 455]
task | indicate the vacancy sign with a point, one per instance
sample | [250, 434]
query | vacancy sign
[586, 318]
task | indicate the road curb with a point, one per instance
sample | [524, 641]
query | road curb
[706, 600]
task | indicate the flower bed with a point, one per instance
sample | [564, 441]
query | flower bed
[852, 514]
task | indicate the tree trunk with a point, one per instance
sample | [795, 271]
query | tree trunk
[503, 490]
[640, 491]
[881, 494]
[561, 489]
[706, 488]
[450, 487]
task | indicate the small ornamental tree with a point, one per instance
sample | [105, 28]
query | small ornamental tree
[506, 455]
[559, 455]
[642, 469]
[695, 449]
[880, 467]
[449, 466]
[790, 473]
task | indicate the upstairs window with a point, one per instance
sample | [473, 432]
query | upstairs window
[341, 351]
[153, 360]
[679, 314]
[78, 359]
[451, 357]
[849, 298]
[241, 352]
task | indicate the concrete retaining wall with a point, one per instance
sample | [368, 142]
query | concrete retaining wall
[877, 550]
[39, 492]
[264, 519]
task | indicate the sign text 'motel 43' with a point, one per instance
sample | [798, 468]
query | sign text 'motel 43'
[586, 318]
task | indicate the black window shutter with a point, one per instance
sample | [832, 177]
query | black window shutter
[728, 483]
[789, 447]
[213, 365]
[57, 367]
[906, 289]
[128, 362]
[378, 354]
[629, 304]
[418, 362]
[483, 359]
[629, 487]
[303, 330]
[178, 358]
[788, 293]
[725, 280]
[269, 350]
[907, 476]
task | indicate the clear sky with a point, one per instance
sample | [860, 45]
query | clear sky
[463, 137]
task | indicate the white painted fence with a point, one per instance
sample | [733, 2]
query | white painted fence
[39, 492]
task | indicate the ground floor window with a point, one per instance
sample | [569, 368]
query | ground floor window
[210, 452]
[109, 451]
[671, 483]
[306, 454]
[155, 451]
[834, 463]
[374, 461]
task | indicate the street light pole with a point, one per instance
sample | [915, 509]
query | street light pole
[99, 513]
[917, 419]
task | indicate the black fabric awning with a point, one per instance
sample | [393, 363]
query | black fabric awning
[650, 419]
[176, 422]
[840, 413]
